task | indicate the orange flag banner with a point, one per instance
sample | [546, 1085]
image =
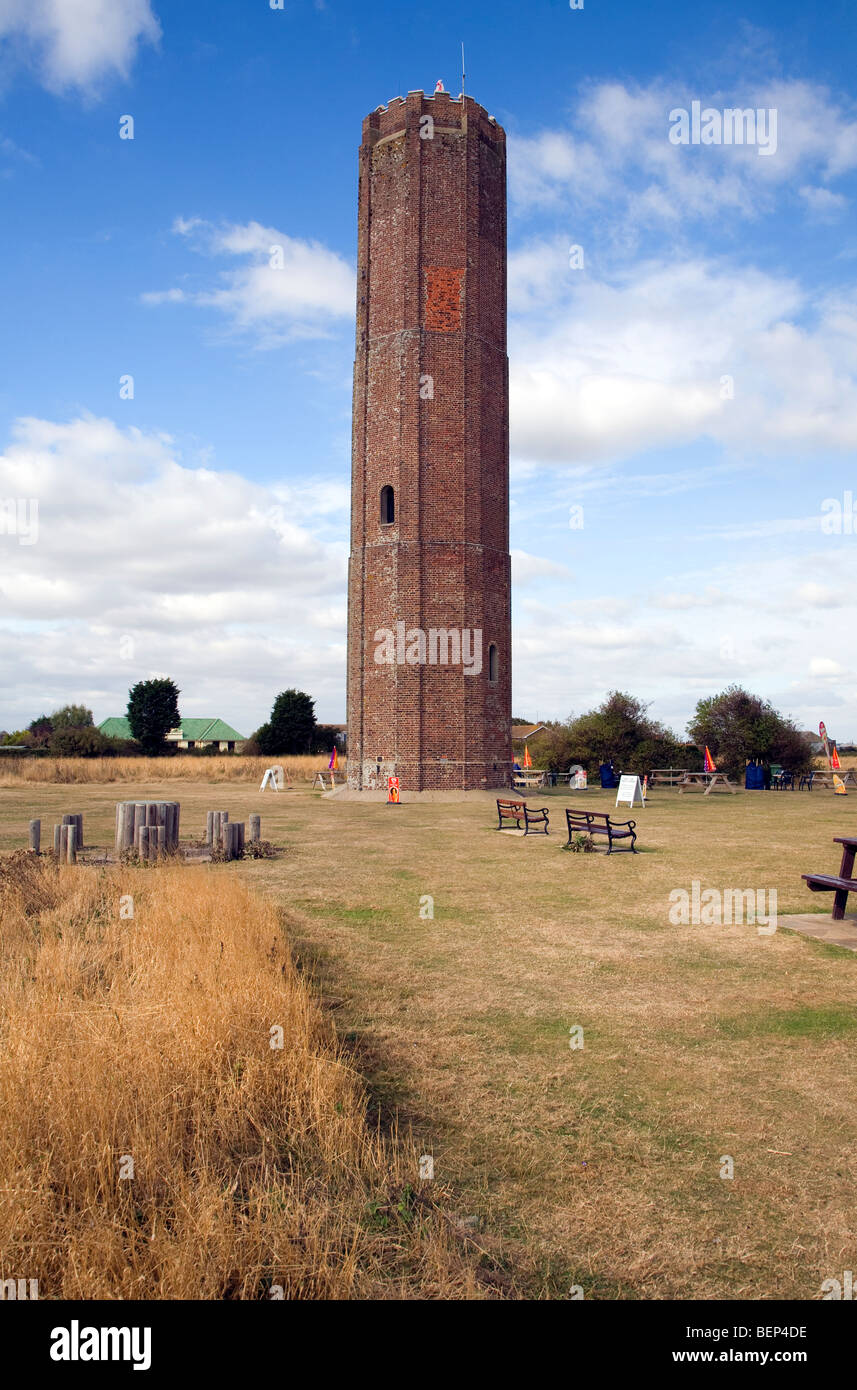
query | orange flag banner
[709, 764]
[528, 762]
[834, 759]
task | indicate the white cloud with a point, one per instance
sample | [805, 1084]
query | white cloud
[822, 202]
[526, 568]
[625, 155]
[709, 598]
[77, 43]
[824, 666]
[603, 369]
[212, 577]
[286, 288]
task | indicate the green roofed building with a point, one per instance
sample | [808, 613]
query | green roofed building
[191, 733]
[116, 726]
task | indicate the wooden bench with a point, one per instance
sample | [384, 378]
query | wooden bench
[519, 811]
[599, 823]
[843, 884]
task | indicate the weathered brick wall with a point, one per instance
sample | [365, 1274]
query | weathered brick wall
[431, 303]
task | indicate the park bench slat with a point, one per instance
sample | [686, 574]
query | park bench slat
[825, 883]
[599, 823]
[519, 811]
[841, 884]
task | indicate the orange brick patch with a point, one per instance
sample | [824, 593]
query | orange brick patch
[443, 287]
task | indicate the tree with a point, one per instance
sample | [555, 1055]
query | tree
[619, 729]
[325, 738]
[72, 717]
[292, 726]
[153, 709]
[81, 741]
[40, 731]
[738, 726]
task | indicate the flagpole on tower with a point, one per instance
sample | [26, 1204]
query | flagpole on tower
[462, 69]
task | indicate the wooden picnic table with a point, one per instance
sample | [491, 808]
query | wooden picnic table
[825, 779]
[529, 779]
[671, 775]
[840, 885]
[714, 779]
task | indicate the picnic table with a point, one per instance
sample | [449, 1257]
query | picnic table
[671, 775]
[529, 779]
[839, 885]
[699, 779]
[825, 779]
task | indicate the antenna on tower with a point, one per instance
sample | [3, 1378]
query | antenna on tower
[462, 69]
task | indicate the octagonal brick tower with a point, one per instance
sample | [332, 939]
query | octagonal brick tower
[429, 622]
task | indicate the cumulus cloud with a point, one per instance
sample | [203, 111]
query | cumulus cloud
[204, 573]
[77, 43]
[283, 288]
[526, 568]
[751, 618]
[616, 148]
[665, 353]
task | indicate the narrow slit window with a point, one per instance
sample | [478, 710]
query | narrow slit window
[493, 664]
[388, 506]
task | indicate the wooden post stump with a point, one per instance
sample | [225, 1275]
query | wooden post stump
[58, 841]
[35, 836]
[255, 829]
[71, 842]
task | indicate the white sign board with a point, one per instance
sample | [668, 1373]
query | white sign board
[629, 788]
[275, 776]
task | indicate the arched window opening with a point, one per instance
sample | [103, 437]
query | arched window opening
[388, 506]
[493, 664]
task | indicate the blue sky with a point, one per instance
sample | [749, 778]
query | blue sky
[692, 386]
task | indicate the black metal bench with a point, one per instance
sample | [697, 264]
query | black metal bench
[599, 823]
[519, 811]
[839, 885]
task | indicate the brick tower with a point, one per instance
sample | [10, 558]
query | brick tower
[429, 623]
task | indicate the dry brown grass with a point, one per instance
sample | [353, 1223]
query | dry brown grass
[150, 1037]
[19, 771]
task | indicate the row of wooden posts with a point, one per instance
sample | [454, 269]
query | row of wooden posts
[152, 829]
[222, 833]
[68, 837]
[149, 827]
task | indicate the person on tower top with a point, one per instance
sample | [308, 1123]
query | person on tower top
[439, 87]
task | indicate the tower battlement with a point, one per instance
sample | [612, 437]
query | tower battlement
[457, 113]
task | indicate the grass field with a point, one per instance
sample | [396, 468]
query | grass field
[598, 1167]
[22, 771]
